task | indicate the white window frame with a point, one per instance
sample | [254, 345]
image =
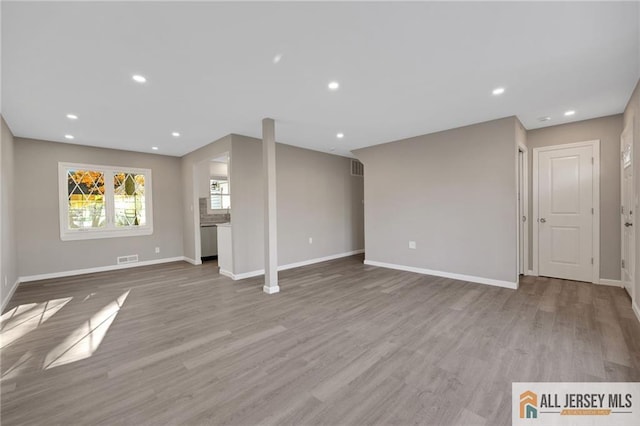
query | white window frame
[109, 230]
[211, 210]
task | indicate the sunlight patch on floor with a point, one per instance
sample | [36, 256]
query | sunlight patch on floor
[86, 339]
[23, 319]
[20, 365]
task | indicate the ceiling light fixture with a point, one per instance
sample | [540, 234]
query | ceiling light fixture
[498, 91]
[334, 85]
[569, 113]
[72, 116]
[277, 58]
[340, 135]
[175, 134]
[139, 78]
[155, 148]
[68, 136]
[547, 118]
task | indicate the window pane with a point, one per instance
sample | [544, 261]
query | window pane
[85, 194]
[128, 189]
[220, 198]
[216, 201]
[220, 201]
[226, 202]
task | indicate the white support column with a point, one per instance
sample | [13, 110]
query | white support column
[270, 218]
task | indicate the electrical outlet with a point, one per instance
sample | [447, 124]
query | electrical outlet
[157, 249]
[412, 245]
[310, 240]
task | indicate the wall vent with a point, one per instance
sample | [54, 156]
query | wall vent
[357, 168]
[133, 258]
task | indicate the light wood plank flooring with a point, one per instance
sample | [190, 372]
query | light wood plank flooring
[343, 343]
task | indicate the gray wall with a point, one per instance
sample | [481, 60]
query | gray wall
[9, 265]
[189, 205]
[247, 204]
[203, 174]
[607, 130]
[316, 197]
[521, 134]
[452, 192]
[40, 249]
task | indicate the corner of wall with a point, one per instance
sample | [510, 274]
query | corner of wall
[8, 259]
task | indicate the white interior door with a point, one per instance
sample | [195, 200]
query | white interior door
[626, 211]
[566, 212]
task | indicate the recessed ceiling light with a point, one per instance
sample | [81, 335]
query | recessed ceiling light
[498, 91]
[277, 58]
[72, 116]
[175, 134]
[547, 118]
[155, 148]
[68, 136]
[334, 85]
[139, 78]
[570, 112]
[340, 135]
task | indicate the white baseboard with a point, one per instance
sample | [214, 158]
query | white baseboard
[246, 275]
[271, 289]
[63, 274]
[614, 283]
[318, 260]
[192, 261]
[461, 277]
[226, 274]
[636, 310]
[9, 295]
[259, 272]
[243, 275]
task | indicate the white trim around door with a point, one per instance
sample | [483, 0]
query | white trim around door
[522, 197]
[628, 205]
[595, 250]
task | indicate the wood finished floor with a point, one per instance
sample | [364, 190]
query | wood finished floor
[343, 343]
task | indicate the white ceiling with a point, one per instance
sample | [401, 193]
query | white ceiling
[404, 69]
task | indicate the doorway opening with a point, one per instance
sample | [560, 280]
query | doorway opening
[213, 192]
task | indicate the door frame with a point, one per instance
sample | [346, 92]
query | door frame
[522, 177]
[195, 211]
[628, 130]
[595, 250]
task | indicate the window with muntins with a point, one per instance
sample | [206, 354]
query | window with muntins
[220, 196]
[104, 201]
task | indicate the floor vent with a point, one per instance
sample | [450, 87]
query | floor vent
[133, 258]
[357, 168]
